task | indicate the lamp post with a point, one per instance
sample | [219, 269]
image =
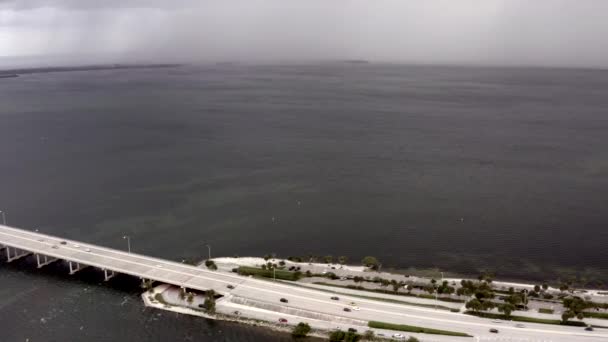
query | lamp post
[3, 217]
[209, 250]
[128, 238]
[436, 295]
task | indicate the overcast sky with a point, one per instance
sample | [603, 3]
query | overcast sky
[511, 32]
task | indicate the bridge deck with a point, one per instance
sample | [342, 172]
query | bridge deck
[118, 261]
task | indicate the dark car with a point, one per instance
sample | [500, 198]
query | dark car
[335, 298]
[230, 287]
[347, 309]
[283, 300]
[494, 331]
[282, 320]
[352, 330]
[63, 243]
[589, 328]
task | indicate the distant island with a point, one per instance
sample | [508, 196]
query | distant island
[16, 72]
[356, 61]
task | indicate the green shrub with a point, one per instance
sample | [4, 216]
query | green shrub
[300, 330]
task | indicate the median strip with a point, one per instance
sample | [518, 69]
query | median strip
[414, 329]
[525, 319]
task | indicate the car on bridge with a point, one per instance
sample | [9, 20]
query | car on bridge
[282, 320]
[335, 298]
[284, 300]
[494, 331]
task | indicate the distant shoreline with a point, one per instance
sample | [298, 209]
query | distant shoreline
[10, 73]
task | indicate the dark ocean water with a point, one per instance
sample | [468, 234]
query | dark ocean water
[463, 169]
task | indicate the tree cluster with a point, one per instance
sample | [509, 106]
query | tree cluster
[371, 262]
[211, 265]
[300, 330]
[339, 336]
[209, 303]
[575, 307]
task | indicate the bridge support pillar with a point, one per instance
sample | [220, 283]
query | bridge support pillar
[17, 254]
[77, 268]
[107, 275]
[44, 260]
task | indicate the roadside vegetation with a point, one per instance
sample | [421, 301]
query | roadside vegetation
[269, 273]
[301, 330]
[211, 265]
[414, 329]
[342, 336]
[209, 304]
[576, 307]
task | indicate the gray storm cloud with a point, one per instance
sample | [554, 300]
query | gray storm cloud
[510, 32]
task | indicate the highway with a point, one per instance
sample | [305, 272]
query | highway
[308, 300]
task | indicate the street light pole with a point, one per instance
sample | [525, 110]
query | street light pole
[436, 295]
[3, 217]
[209, 250]
[128, 238]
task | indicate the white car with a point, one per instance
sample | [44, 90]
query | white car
[76, 245]
[159, 266]
[399, 336]
[87, 250]
[356, 308]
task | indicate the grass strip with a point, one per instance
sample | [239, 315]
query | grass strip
[545, 311]
[600, 315]
[414, 329]
[280, 274]
[525, 319]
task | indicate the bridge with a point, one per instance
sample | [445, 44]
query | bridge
[19, 243]
[46, 249]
